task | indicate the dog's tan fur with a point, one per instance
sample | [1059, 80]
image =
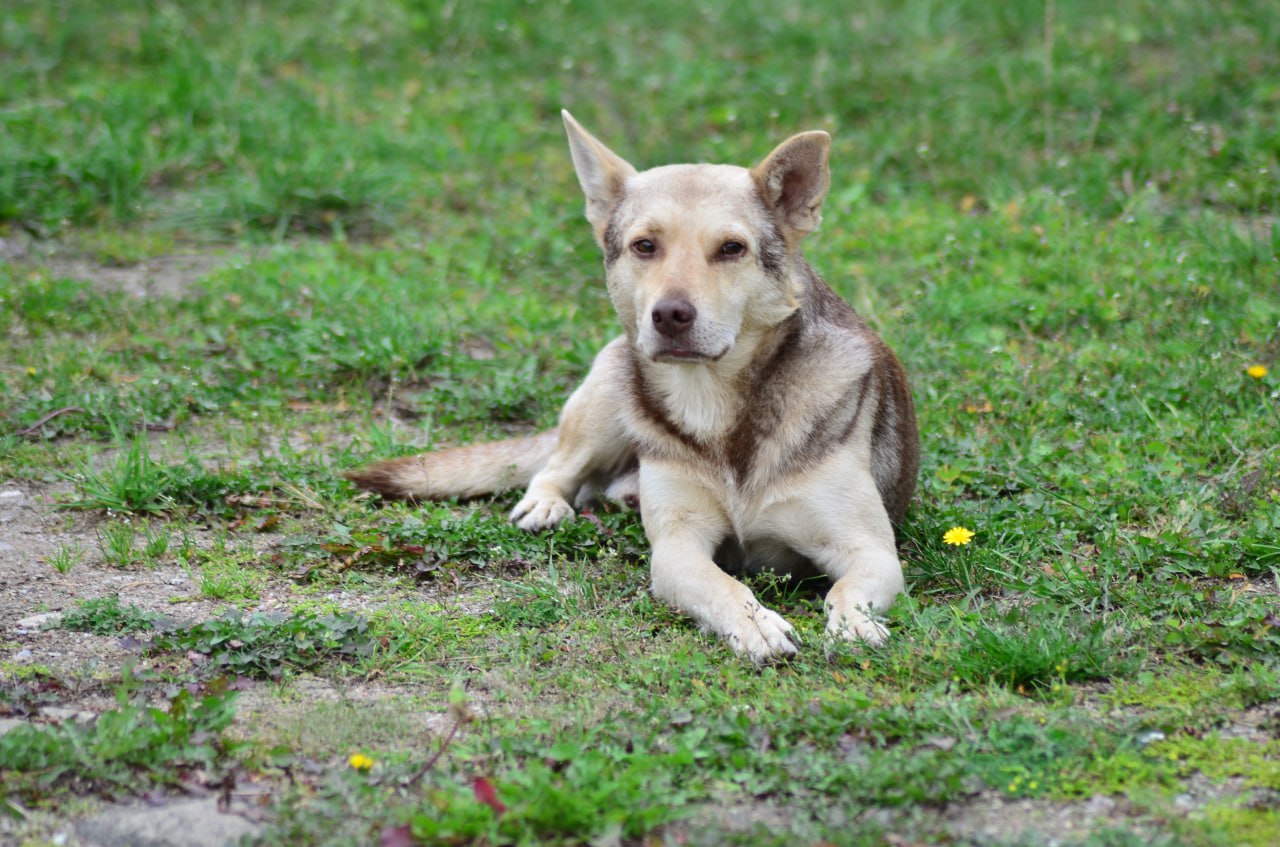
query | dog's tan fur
[760, 421]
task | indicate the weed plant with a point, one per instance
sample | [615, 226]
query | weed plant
[106, 616]
[267, 645]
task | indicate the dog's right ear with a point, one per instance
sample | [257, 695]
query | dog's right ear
[601, 172]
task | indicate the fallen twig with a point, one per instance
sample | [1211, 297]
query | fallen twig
[461, 715]
[22, 433]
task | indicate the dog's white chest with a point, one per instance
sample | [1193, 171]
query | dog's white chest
[699, 403]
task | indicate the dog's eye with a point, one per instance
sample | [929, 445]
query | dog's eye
[643, 247]
[732, 248]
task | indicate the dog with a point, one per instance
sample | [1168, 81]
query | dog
[758, 419]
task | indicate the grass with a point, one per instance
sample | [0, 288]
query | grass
[228, 574]
[126, 750]
[65, 557]
[116, 542]
[1062, 216]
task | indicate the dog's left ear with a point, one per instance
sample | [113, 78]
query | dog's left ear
[793, 180]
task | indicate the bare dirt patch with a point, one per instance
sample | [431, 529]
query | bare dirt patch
[161, 276]
[31, 533]
[311, 716]
[993, 818]
[174, 275]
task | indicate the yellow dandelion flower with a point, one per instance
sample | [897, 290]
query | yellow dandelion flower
[1256, 371]
[957, 536]
[360, 761]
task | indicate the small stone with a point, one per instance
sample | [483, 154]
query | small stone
[7, 724]
[6, 547]
[24, 657]
[12, 249]
[62, 715]
[1098, 806]
[35, 623]
[184, 823]
[11, 499]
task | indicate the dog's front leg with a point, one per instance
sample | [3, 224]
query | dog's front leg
[684, 524]
[872, 578]
[845, 531]
[591, 439]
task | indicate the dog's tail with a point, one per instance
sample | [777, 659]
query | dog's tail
[460, 471]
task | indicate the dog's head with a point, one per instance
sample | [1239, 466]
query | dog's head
[697, 254]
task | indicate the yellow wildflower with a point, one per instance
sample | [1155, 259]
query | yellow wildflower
[360, 761]
[957, 536]
[1256, 371]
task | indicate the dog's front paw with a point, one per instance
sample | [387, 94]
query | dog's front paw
[764, 636]
[534, 514]
[853, 624]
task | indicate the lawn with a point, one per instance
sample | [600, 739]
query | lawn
[247, 246]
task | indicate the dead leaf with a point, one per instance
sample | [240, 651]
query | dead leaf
[397, 836]
[487, 794]
[939, 742]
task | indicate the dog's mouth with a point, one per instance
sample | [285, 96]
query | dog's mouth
[684, 355]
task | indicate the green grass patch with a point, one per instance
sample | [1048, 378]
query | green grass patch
[1255, 827]
[137, 483]
[630, 773]
[125, 750]
[65, 558]
[1257, 764]
[1194, 696]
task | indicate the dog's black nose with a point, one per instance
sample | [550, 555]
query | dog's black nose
[673, 316]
